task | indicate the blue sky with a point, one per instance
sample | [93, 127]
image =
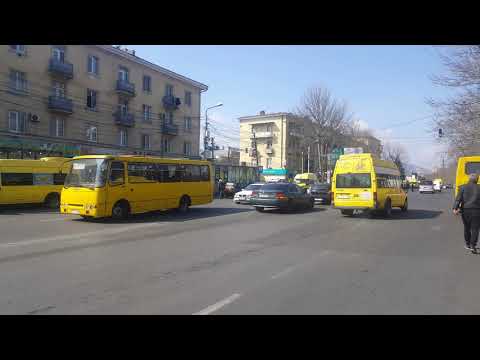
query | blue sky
[384, 85]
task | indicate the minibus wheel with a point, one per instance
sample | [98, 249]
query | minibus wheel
[388, 208]
[120, 210]
[52, 201]
[347, 212]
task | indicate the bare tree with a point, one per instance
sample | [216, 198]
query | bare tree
[396, 153]
[459, 115]
[330, 118]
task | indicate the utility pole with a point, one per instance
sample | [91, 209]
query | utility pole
[308, 159]
[303, 160]
[213, 149]
[206, 137]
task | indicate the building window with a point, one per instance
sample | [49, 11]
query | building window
[123, 108]
[165, 145]
[146, 142]
[188, 98]
[147, 113]
[123, 137]
[57, 127]
[168, 90]
[269, 163]
[18, 81]
[19, 49]
[187, 123]
[147, 83]
[17, 121]
[58, 54]
[93, 64]
[269, 144]
[123, 74]
[91, 99]
[92, 133]
[246, 150]
[269, 128]
[58, 89]
[187, 148]
[162, 117]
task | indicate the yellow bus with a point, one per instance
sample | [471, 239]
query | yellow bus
[364, 182]
[466, 165]
[32, 181]
[116, 186]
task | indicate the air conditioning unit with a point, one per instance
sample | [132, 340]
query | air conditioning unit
[33, 117]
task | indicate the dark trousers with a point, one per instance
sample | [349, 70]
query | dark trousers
[471, 226]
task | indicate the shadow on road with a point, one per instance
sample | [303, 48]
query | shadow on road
[171, 215]
[294, 212]
[6, 210]
[413, 214]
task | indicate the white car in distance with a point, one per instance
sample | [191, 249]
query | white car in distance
[243, 197]
[426, 187]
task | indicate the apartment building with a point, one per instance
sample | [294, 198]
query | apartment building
[277, 141]
[94, 99]
[370, 144]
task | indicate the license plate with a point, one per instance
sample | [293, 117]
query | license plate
[75, 212]
[264, 196]
[343, 196]
[316, 199]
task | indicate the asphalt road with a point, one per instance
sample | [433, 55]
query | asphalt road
[228, 259]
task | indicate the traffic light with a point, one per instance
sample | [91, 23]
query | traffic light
[440, 133]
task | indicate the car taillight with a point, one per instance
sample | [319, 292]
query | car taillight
[253, 194]
[280, 196]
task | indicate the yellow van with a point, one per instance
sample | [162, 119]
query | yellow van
[364, 182]
[305, 180]
[466, 165]
[116, 186]
[32, 181]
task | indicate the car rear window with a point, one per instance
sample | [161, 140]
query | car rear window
[253, 187]
[275, 187]
[426, 183]
[321, 187]
[472, 168]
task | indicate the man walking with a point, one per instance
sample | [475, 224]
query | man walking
[221, 188]
[468, 203]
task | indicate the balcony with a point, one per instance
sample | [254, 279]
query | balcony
[63, 69]
[60, 104]
[169, 129]
[262, 134]
[171, 102]
[269, 151]
[124, 118]
[125, 87]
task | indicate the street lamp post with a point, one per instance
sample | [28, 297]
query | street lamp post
[206, 136]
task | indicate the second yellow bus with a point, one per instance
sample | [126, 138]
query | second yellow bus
[116, 186]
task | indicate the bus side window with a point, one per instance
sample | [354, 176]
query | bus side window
[117, 173]
[59, 179]
[204, 173]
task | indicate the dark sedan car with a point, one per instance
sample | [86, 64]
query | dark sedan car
[282, 196]
[321, 193]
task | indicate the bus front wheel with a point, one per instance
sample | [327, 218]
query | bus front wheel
[120, 210]
[347, 212]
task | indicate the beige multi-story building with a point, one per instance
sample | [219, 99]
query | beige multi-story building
[277, 141]
[81, 99]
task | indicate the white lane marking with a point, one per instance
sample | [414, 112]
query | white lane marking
[218, 305]
[51, 220]
[284, 272]
[81, 235]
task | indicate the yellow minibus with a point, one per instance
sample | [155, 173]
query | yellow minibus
[32, 181]
[364, 182]
[466, 165]
[116, 186]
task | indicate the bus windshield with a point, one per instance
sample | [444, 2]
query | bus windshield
[89, 173]
[353, 181]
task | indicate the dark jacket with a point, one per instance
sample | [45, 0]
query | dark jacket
[468, 197]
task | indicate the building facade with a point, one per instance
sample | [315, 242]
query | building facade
[94, 99]
[277, 141]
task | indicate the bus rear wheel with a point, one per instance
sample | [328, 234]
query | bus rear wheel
[183, 205]
[120, 210]
[347, 212]
[52, 201]
[387, 211]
